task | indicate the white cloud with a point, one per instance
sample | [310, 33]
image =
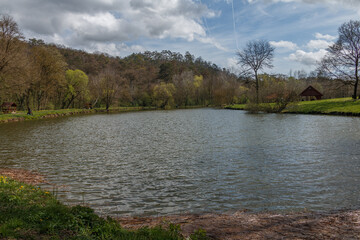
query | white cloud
[114, 48]
[318, 44]
[213, 42]
[97, 21]
[232, 65]
[307, 58]
[325, 37]
[284, 44]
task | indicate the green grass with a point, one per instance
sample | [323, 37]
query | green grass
[27, 212]
[236, 106]
[329, 106]
[337, 106]
[21, 115]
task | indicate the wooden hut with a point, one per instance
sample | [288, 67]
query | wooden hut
[8, 107]
[310, 93]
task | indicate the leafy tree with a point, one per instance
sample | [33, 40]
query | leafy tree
[76, 86]
[50, 68]
[256, 56]
[163, 95]
[343, 58]
[166, 71]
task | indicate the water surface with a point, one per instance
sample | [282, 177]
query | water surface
[200, 160]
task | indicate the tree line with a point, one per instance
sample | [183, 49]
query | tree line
[39, 76]
[337, 72]
[47, 76]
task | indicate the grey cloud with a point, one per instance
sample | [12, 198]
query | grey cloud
[190, 9]
[140, 4]
[159, 29]
[75, 23]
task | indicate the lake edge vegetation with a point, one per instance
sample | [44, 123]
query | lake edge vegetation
[44, 114]
[337, 106]
[28, 212]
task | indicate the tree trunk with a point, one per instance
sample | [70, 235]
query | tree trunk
[70, 101]
[356, 81]
[257, 87]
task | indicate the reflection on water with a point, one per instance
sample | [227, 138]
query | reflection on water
[201, 160]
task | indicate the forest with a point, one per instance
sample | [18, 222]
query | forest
[40, 75]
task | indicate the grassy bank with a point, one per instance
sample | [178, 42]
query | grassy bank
[337, 106]
[27, 212]
[21, 115]
[236, 107]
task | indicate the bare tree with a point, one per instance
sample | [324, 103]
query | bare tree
[342, 59]
[11, 50]
[9, 36]
[109, 85]
[256, 55]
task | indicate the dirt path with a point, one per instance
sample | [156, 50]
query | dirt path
[240, 225]
[243, 225]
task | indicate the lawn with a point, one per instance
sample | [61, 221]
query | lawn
[337, 106]
[328, 106]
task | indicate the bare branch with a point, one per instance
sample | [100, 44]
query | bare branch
[256, 56]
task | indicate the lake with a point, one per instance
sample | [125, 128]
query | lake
[198, 160]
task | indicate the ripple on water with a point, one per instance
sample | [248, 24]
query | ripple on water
[201, 160]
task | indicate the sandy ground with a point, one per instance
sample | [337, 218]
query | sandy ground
[241, 225]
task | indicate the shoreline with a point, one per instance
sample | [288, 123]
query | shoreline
[342, 224]
[329, 107]
[45, 114]
[336, 224]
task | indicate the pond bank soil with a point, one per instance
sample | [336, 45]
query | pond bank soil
[239, 225]
[245, 225]
[25, 176]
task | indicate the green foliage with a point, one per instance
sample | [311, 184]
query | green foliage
[337, 106]
[236, 106]
[328, 106]
[163, 95]
[166, 71]
[199, 234]
[21, 115]
[198, 80]
[76, 87]
[27, 212]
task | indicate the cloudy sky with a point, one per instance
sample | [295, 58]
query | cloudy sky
[213, 29]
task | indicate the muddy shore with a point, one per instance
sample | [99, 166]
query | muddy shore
[343, 224]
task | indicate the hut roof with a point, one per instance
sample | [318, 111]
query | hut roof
[8, 104]
[310, 91]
